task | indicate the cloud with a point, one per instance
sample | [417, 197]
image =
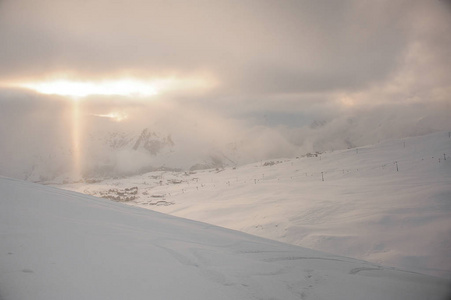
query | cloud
[365, 71]
[252, 47]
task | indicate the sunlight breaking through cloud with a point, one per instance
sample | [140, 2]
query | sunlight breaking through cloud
[122, 87]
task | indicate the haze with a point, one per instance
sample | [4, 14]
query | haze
[271, 78]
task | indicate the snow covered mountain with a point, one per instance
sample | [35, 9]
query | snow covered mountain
[147, 140]
[387, 203]
[58, 244]
[154, 151]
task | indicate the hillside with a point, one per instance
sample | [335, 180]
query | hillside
[387, 203]
[59, 244]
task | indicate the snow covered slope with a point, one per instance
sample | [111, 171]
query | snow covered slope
[388, 203]
[57, 244]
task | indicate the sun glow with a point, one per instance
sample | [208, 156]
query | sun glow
[125, 87]
[79, 89]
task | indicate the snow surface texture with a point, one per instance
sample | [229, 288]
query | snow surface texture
[388, 203]
[58, 244]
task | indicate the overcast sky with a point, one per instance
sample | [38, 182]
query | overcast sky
[367, 70]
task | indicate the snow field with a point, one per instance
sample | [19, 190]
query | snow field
[58, 244]
[387, 203]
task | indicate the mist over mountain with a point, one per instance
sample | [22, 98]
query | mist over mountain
[37, 136]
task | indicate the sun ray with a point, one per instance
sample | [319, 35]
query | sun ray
[76, 140]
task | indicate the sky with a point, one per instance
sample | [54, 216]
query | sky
[280, 77]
